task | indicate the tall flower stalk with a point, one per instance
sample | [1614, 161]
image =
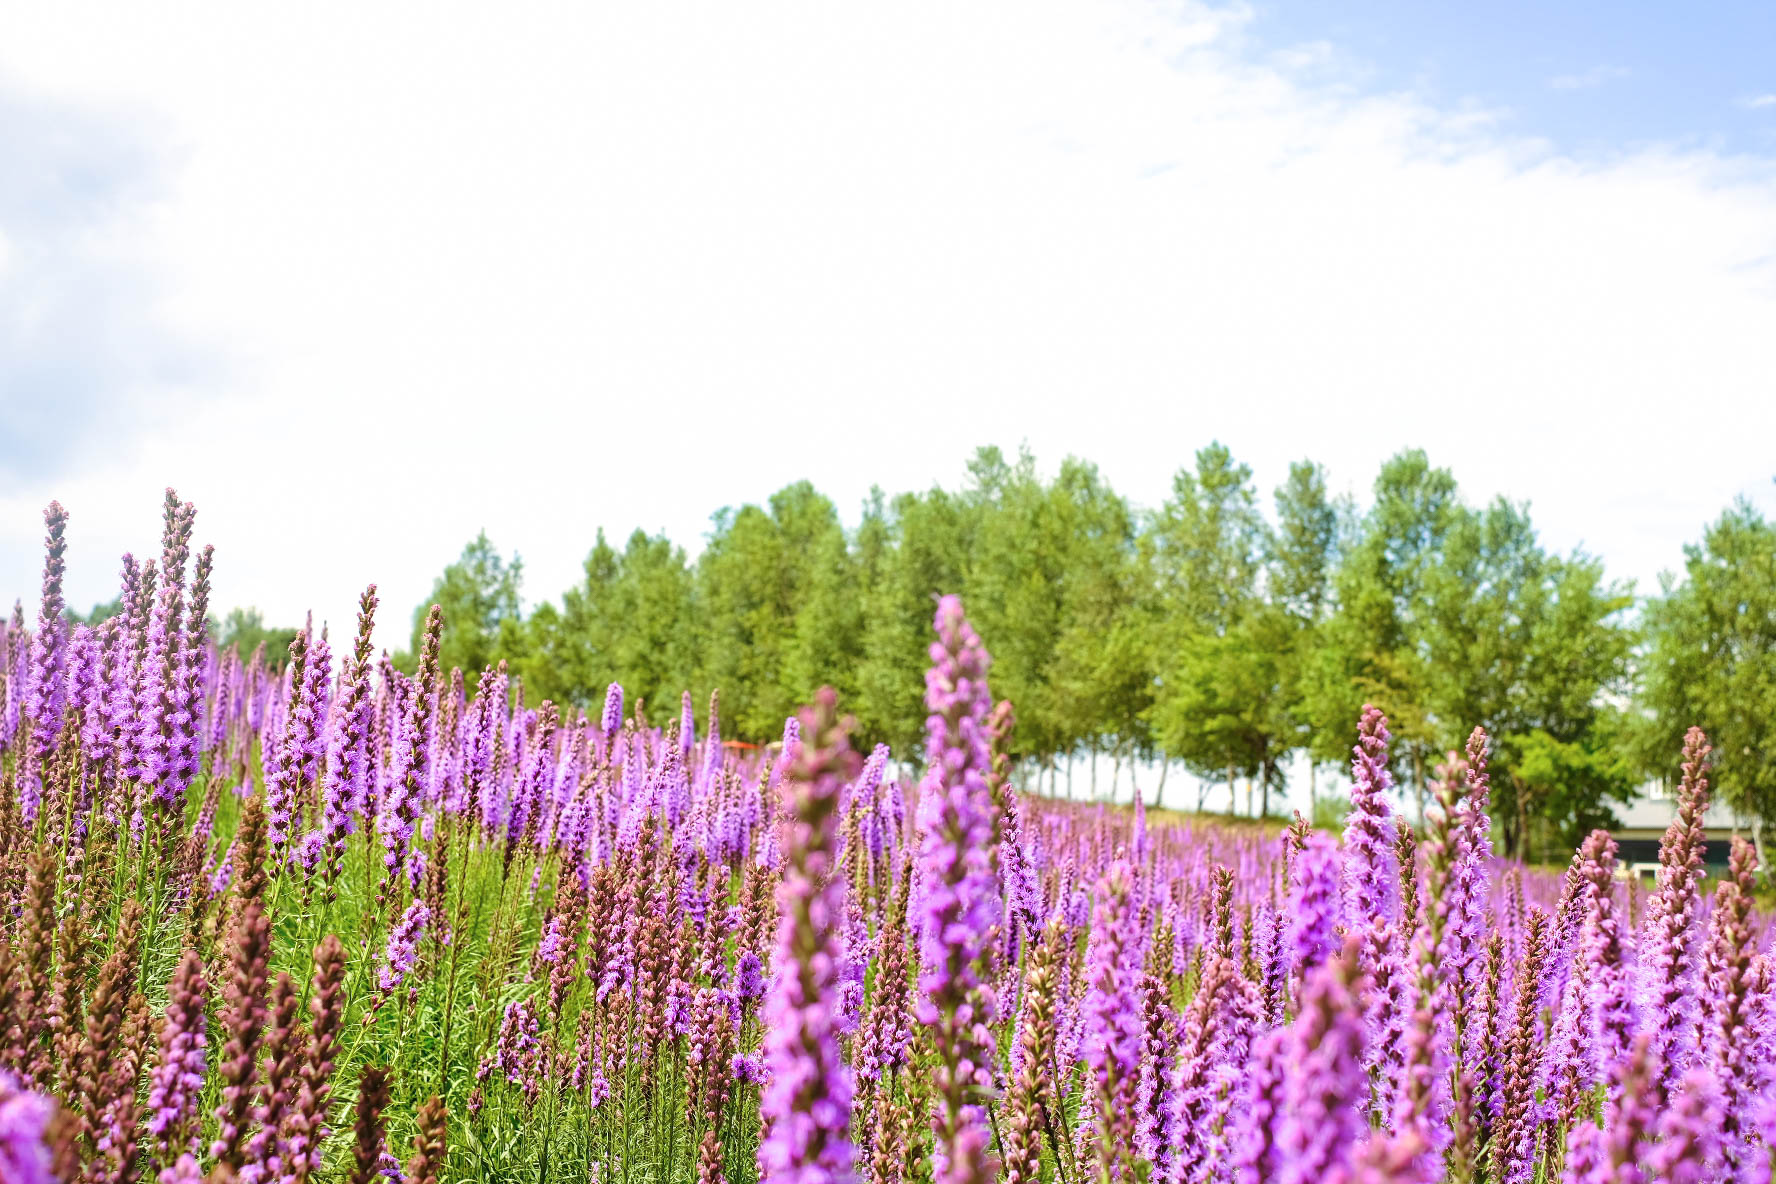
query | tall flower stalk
[806, 1106]
[959, 902]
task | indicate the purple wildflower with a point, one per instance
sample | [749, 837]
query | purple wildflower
[178, 1078]
[959, 903]
[807, 1103]
[1315, 906]
[46, 692]
[402, 951]
[1113, 1014]
[24, 1123]
[612, 719]
[1328, 1091]
[1670, 996]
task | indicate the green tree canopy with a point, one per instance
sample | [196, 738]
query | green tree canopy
[480, 598]
[1207, 632]
[1711, 659]
[245, 629]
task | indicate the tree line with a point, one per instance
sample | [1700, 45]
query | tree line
[1221, 633]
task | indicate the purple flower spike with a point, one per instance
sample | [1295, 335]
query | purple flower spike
[1327, 1090]
[1670, 950]
[1113, 1013]
[1316, 906]
[403, 945]
[613, 712]
[24, 1119]
[178, 1078]
[807, 1103]
[959, 902]
[46, 692]
[1373, 872]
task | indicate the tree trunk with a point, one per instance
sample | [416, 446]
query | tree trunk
[1418, 781]
[1517, 836]
[1115, 771]
[1264, 773]
[1233, 800]
[1159, 795]
[1094, 773]
[1069, 775]
[1757, 840]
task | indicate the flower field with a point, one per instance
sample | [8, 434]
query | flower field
[336, 922]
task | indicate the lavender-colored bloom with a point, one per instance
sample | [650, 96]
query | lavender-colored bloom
[749, 975]
[283, 776]
[1616, 1154]
[185, 1170]
[177, 1079]
[1372, 873]
[1739, 1020]
[1113, 1012]
[84, 692]
[853, 968]
[1327, 1091]
[223, 874]
[96, 736]
[46, 693]
[958, 905]
[46, 690]
[402, 951]
[397, 808]
[1372, 887]
[24, 1124]
[1462, 906]
[1688, 1149]
[119, 698]
[520, 1054]
[1669, 962]
[185, 698]
[481, 796]
[612, 719]
[1215, 1045]
[807, 1101]
[1257, 1157]
[159, 723]
[1316, 912]
[346, 788]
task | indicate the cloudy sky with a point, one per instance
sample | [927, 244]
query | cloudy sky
[363, 279]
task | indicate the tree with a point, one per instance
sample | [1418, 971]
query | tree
[772, 606]
[1312, 533]
[479, 596]
[245, 629]
[1220, 704]
[1572, 783]
[1102, 669]
[628, 621]
[1372, 648]
[926, 539]
[1535, 648]
[100, 613]
[1711, 659]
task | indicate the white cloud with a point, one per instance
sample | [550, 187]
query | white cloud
[1590, 79]
[1759, 102]
[615, 265]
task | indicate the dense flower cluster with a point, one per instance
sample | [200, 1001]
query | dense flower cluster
[269, 918]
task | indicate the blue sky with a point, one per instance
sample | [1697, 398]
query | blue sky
[1590, 77]
[656, 259]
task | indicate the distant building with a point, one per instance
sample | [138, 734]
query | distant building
[1643, 822]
